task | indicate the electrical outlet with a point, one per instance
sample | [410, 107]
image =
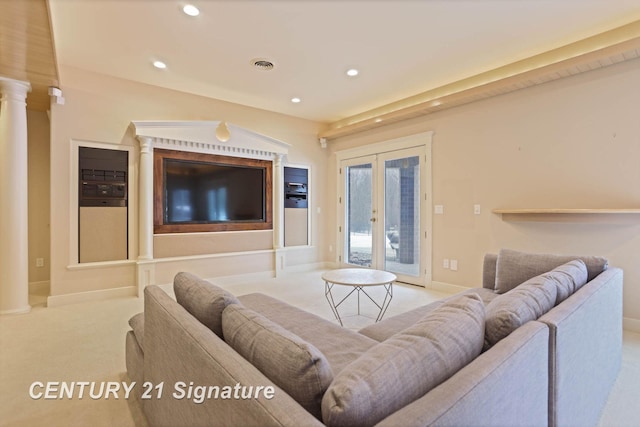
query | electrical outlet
[39, 262]
[476, 209]
[438, 209]
[454, 264]
[445, 263]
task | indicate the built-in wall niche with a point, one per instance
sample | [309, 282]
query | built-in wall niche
[198, 192]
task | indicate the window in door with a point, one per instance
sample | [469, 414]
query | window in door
[385, 215]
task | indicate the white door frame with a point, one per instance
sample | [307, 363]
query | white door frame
[423, 141]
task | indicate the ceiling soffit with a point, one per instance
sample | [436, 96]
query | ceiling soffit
[602, 50]
[27, 50]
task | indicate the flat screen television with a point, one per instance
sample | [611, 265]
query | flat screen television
[199, 192]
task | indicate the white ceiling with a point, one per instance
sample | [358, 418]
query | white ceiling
[401, 47]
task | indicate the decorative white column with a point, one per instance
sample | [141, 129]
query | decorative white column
[146, 266]
[14, 242]
[278, 213]
[146, 198]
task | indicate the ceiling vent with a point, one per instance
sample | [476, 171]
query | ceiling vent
[262, 64]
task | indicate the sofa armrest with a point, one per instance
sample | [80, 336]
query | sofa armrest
[178, 348]
[585, 350]
[134, 358]
[498, 388]
[489, 271]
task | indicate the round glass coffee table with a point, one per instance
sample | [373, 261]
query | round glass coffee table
[359, 279]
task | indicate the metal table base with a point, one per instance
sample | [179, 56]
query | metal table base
[359, 288]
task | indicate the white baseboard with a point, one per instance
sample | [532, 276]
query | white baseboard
[100, 295]
[241, 278]
[631, 325]
[446, 287]
[105, 294]
[306, 268]
[39, 287]
[266, 275]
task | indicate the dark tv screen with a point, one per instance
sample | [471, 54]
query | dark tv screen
[209, 193]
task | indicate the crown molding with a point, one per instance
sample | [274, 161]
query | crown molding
[604, 49]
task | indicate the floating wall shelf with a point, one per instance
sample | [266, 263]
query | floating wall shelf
[570, 215]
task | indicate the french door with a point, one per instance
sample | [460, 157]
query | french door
[383, 205]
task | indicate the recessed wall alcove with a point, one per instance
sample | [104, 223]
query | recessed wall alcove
[197, 140]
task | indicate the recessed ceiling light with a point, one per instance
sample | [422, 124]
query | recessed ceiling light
[436, 103]
[296, 100]
[262, 64]
[378, 120]
[191, 10]
[159, 64]
[352, 72]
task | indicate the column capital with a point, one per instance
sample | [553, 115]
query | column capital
[278, 157]
[15, 90]
[146, 143]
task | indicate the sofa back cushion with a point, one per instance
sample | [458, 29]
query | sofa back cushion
[292, 364]
[568, 278]
[532, 299]
[489, 271]
[514, 268]
[204, 300]
[407, 365]
[509, 311]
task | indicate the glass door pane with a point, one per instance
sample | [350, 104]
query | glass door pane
[384, 220]
[359, 209]
[402, 216]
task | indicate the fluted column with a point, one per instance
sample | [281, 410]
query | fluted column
[146, 198]
[278, 214]
[278, 203]
[14, 247]
[146, 265]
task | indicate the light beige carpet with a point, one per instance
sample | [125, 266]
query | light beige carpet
[85, 342]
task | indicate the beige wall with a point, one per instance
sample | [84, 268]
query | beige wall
[100, 109]
[569, 143]
[572, 143]
[38, 187]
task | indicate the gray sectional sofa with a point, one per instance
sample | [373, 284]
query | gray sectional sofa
[538, 344]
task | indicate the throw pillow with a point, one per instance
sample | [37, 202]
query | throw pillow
[204, 300]
[407, 365]
[509, 311]
[292, 364]
[513, 267]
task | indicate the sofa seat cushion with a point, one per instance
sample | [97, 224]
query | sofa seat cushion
[339, 345]
[514, 268]
[404, 367]
[204, 300]
[384, 329]
[137, 325]
[294, 365]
